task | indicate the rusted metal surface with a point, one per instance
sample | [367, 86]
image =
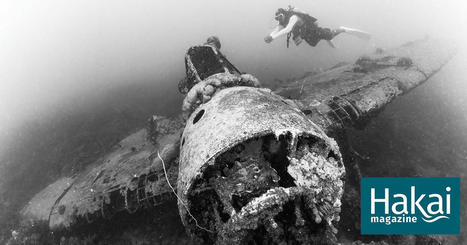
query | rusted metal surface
[361, 89]
[238, 114]
[232, 118]
[253, 165]
[39, 206]
[204, 90]
[202, 62]
[128, 178]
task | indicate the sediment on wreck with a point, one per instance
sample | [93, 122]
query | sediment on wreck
[267, 189]
[254, 167]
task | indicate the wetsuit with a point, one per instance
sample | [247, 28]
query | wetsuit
[300, 26]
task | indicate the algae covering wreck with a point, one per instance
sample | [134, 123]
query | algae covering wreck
[245, 164]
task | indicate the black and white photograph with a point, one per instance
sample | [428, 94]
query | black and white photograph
[152, 122]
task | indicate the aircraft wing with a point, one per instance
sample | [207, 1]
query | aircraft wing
[348, 95]
[128, 178]
[132, 175]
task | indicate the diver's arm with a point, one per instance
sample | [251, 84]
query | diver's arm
[276, 30]
[293, 20]
[268, 38]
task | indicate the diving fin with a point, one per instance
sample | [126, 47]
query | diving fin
[355, 32]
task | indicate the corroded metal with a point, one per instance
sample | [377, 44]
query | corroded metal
[127, 179]
[204, 90]
[202, 62]
[236, 116]
[247, 159]
[363, 88]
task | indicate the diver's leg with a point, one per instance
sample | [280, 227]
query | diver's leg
[328, 34]
[336, 32]
[355, 32]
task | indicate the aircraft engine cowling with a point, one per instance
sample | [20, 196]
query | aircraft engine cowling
[254, 167]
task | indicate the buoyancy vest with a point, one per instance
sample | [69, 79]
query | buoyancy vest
[300, 29]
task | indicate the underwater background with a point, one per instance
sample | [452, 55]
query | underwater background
[77, 77]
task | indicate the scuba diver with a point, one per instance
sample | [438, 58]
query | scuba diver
[301, 26]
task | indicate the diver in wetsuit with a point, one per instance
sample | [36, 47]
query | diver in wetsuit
[301, 26]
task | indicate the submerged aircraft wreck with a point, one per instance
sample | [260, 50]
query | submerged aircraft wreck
[248, 164]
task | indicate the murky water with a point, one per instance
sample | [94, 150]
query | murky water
[108, 78]
[422, 134]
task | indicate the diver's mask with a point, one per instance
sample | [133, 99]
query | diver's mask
[279, 16]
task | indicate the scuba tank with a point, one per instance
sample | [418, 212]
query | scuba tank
[308, 21]
[307, 18]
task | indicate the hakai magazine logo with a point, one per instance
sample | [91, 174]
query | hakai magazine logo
[410, 206]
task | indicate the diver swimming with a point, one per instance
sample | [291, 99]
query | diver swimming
[302, 26]
[239, 162]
